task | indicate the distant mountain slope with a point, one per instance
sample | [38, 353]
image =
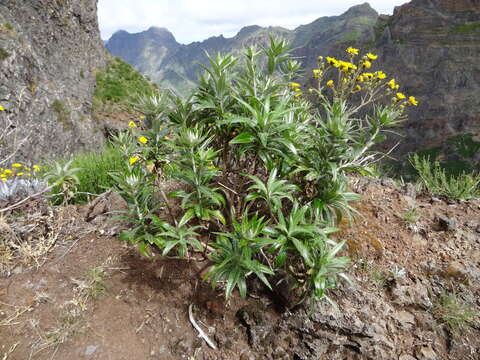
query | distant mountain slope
[156, 54]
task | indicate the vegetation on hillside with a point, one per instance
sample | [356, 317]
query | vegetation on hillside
[118, 85]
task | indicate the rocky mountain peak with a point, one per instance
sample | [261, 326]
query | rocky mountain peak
[160, 33]
[248, 30]
[360, 10]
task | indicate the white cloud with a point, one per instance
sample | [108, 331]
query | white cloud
[196, 20]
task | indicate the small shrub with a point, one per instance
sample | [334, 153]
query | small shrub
[454, 312]
[8, 26]
[411, 216]
[435, 179]
[63, 113]
[4, 54]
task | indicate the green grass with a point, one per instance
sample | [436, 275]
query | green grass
[94, 175]
[467, 28]
[119, 83]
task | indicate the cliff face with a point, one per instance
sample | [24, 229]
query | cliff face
[49, 51]
[433, 47]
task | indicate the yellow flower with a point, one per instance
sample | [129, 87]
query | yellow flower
[17, 165]
[346, 66]
[391, 84]
[361, 78]
[413, 101]
[132, 125]
[381, 75]
[330, 83]
[142, 117]
[295, 85]
[8, 171]
[316, 73]
[211, 167]
[36, 168]
[401, 96]
[297, 90]
[352, 51]
[320, 59]
[367, 64]
[20, 174]
[143, 139]
[2, 108]
[166, 137]
[333, 61]
[371, 56]
[298, 94]
[133, 160]
[358, 88]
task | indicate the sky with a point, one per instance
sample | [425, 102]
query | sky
[197, 20]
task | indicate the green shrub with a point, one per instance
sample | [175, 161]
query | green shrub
[262, 170]
[8, 26]
[4, 54]
[435, 179]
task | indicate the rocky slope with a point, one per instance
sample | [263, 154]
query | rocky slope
[49, 51]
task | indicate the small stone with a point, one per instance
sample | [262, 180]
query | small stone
[425, 353]
[17, 270]
[406, 357]
[435, 200]
[388, 182]
[447, 224]
[406, 319]
[410, 190]
[456, 270]
[90, 350]
[246, 356]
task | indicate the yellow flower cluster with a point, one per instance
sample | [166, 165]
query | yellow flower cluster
[2, 108]
[353, 77]
[17, 170]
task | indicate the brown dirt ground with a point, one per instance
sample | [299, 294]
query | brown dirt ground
[139, 308]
